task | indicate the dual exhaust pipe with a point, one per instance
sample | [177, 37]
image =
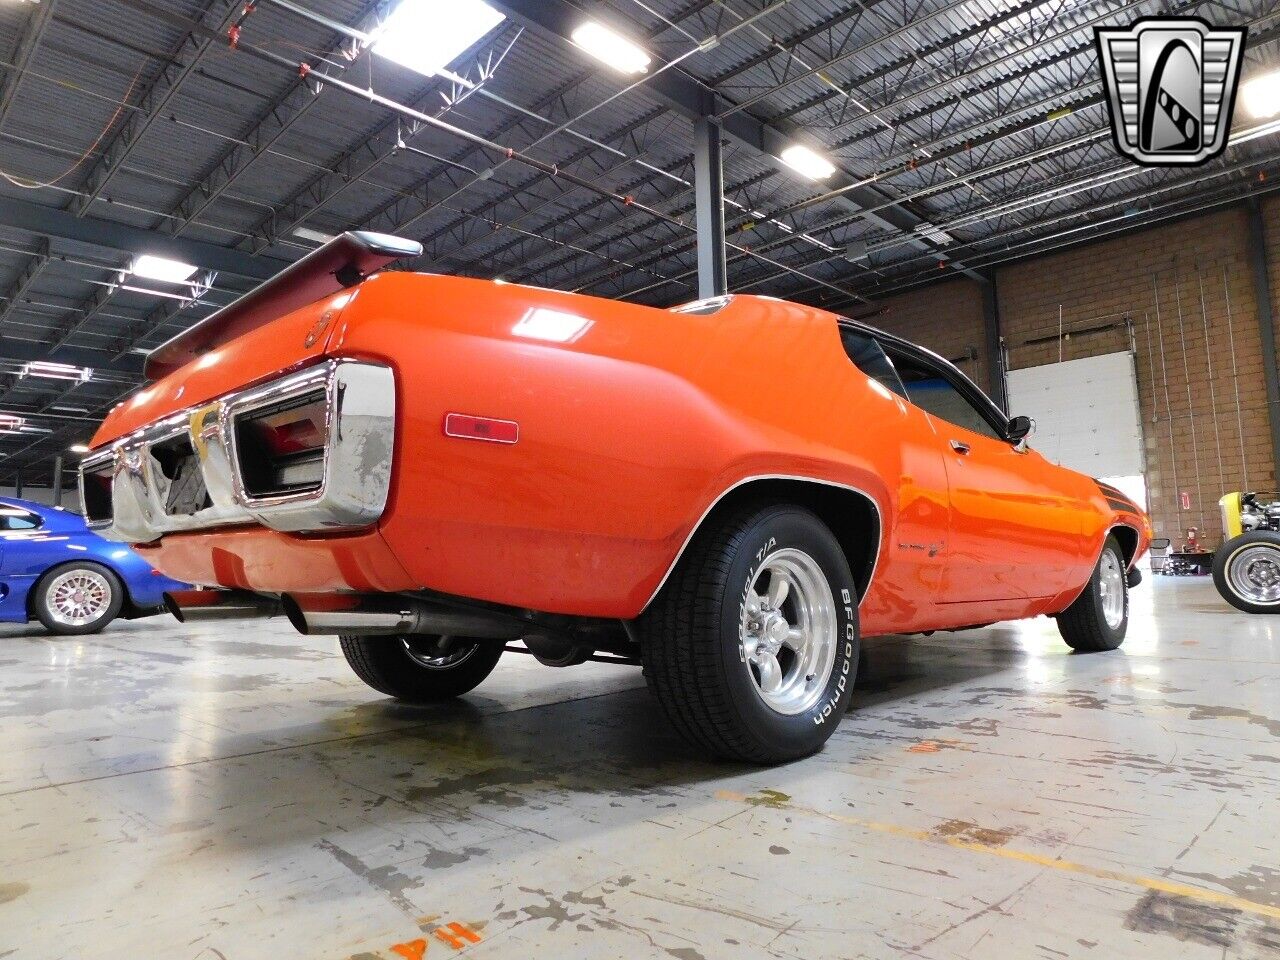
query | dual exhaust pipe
[348, 614]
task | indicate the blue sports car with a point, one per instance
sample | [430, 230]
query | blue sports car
[55, 570]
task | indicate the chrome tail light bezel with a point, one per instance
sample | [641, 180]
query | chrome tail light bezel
[359, 433]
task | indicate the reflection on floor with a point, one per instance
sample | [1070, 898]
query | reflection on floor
[234, 792]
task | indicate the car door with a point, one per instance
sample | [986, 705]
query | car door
[1013, 533]
[910, 574]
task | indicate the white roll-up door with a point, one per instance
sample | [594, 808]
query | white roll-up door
[1086, 413]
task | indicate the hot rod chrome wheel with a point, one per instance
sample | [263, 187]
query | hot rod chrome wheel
[431, 652]
[1254, 573]
[78, 597]
[1111, 589]
[788, 632]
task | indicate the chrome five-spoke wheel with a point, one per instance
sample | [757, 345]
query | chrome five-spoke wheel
[436, 653]
[1111, 589]
[788, 633]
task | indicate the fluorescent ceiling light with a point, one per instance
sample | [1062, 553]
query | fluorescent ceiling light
[79, 448]
[552, 325]
[807, 162]
[611, 48]
[306, 233]
[153, 293]
[163, 269]
[55, 371]
[427, 35]
[1261, 95]
[11, 423]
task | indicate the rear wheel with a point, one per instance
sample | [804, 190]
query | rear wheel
[421, 668]
[77, 598]
[1099, 618]
[752, 645]
[1246, 571]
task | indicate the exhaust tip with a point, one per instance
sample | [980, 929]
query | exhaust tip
[293, 613]
[171, 605]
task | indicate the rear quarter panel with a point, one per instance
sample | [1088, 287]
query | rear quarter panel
[627, 434]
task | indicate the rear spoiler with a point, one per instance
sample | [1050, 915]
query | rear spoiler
[342, 262]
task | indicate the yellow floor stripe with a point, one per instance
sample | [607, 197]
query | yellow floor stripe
[772, 801]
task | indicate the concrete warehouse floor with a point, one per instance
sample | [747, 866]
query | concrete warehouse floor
[234, 792]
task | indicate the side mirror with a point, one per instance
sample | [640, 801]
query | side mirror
[1160, 543]
[1019, 431]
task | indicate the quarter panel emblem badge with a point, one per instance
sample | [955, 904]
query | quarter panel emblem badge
[317, 329]
[1171, 88]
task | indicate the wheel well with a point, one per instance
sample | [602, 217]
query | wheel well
[1128, 539]
[850, 515]
[126, 601]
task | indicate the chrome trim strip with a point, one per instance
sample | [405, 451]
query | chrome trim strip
[875, 562]
[355, 479]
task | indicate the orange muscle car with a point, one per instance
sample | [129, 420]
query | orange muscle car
[729, 493]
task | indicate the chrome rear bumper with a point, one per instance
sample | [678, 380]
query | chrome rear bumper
[132, 490]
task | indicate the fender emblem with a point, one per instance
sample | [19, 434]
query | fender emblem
[466, 427]
[318, 328]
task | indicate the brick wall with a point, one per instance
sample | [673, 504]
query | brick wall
[945, 317]
[1194, 391]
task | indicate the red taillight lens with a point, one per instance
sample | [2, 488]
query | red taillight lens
[291, 431]
[280, 448]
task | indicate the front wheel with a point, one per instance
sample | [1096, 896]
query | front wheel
[1246, 571]
[77, 598]
[1099, 617]
[752, 645]
[419, 668]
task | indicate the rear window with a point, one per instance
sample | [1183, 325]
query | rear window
[869, 357]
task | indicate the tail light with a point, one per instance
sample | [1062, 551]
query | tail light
[96, 493]
[280, 447]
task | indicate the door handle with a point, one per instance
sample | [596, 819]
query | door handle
[960, 447]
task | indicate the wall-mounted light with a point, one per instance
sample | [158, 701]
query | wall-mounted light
[425, 38]
[610, 48]
[1261, 95]
[807, 162]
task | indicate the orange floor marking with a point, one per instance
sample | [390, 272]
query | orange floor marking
[455, 933]
[413, 950]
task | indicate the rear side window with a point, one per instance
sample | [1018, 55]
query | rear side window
[13, 519]
[869, 357]
[929, 390]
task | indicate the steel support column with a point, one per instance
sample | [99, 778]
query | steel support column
[17, 485]
[1266, 325]
[690, 97]
[57, 481]
[993, 345]
[708, 190]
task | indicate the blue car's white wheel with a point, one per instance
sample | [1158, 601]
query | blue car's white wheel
[77, 598]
